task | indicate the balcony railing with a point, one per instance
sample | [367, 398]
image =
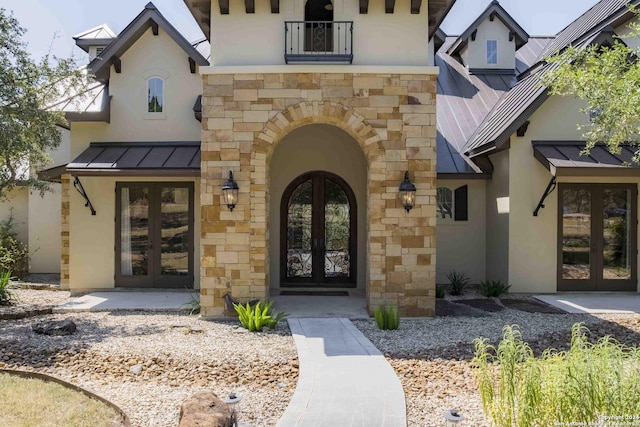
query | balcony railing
[318, 41]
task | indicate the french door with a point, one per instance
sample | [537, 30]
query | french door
[154, 234]
[318, 232]
[597, 242]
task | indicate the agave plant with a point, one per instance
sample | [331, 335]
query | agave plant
[256, 317]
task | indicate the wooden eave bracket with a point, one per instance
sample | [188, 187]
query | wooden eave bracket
[192, 65]
[275, 6]
[117, 64]
[492, 16]
[364, 7]
[512, 35]
[224, 7]
[473, 35]
[389, 6]
[250, 6]
[522, 130]
[415, 6]
[154, 27]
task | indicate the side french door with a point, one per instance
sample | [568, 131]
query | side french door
[154, 234]
[597, 237]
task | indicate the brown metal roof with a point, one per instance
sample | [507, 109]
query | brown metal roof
[138, 158]
[567, 158]
[465, 99]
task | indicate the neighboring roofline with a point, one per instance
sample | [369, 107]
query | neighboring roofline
[104, 27]
[85, 44]
[438, 19]
[150, 17]
[494, 9]
[104, 115]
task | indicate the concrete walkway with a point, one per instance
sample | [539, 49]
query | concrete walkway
[124, 300]
[344, 380]
[594, 303]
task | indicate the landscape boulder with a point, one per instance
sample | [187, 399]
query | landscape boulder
[204, 409]
[55, 327]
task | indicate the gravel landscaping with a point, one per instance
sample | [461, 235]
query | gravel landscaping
[148, 363]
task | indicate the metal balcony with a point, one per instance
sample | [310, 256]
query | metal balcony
[318, 41]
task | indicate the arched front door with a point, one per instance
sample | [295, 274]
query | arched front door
[318, 232]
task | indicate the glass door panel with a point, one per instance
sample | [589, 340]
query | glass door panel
[598, 225]
[299, 232]
[174, 232]
[616, 235]
[576, 234]
[134, 231]
[337, 261]
[154, 235]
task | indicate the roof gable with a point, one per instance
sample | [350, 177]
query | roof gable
[494, 10]
[150, 17]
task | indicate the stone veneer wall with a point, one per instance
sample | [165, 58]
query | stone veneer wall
[64, 233]
[393, 119]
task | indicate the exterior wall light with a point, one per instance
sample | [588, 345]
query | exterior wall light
[452, 418]
[232, 401]
[407, 193]
[230, 192]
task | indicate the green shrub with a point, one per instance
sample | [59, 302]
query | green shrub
[193, 305]
[458, 281]
[255, 318]
[439, 292]
[14, 255]
[387, 318]
[7, 297]
[493, 288]
[586, 385]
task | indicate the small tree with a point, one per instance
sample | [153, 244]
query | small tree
[28, 126]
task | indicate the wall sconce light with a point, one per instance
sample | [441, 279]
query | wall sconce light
[232, 401]
[230, 192]
[452, 418]
[407, 193]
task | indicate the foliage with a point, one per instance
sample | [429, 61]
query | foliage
[458, 281]
[493, 288]
[255, 318]
[14, 255]
[6, 289]
[29, 91]
[387, 318]
[587, 385]
[607, 79]
[440, 292]
[193, 305]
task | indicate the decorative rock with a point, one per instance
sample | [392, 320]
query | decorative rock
[55, 327]
[136, 369]
[204, 409]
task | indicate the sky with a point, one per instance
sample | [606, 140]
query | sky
[51, 24]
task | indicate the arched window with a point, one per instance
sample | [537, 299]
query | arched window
[155, 95]
[452, 204]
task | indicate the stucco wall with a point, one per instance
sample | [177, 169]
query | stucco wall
[44, 231]
[17, 205]
[498, 219]
[92, 238]
[150, 55]
[475, 54]
[311, 148]
[378, 38]
[461, 244]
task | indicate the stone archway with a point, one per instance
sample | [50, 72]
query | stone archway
[243, 121]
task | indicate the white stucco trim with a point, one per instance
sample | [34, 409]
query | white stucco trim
[312, 68]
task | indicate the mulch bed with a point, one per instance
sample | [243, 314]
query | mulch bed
[482, 304]
[447, 308]
[530, 306]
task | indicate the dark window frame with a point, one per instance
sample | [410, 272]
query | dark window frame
[154, 279]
